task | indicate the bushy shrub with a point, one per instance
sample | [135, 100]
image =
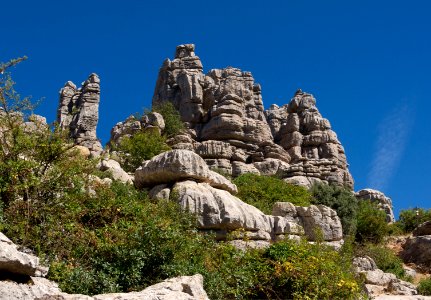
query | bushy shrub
[385, 259]
[263, 191]
[172, 118]
[310, 271]
[424, 287]
[411, 218]
[342, 200]
[371, 223]
[141, 146]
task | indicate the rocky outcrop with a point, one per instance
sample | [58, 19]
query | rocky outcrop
[78, 112]
[383, 202]
[228, 126]
[422, 229]
[417, 250]
[378, 283]
[183, 176]
[21, 278]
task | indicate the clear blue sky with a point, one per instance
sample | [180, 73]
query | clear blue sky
[367, 63]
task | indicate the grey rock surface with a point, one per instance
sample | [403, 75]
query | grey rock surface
[384, 202]
[223, 111]
[16, 262]
[422, 229]
[417, 250]
[116, 171]
[78, 112]
[177, 165]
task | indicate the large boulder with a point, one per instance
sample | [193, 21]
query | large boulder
[16, 262]
[178, 165]
[382, 201]
[417, 250]
[423, 229]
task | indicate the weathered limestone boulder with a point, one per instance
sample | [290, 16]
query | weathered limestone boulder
[34, 288]
[16, 262]
[312, 219]
[177, 165]
[378, 283]
[422, 229]
[384, 203]
[116, 171]
[229, 128]
[417, 250]
[78, 112]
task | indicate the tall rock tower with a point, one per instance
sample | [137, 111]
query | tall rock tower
[228, 126]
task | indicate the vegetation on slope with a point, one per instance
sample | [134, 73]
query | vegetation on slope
[263, 191]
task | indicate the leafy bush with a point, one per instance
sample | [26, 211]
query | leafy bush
[371, 223]
[139, 147]
[342, 200]
[310, 271]
[411, 218]
[263, 191]
[172, 118]
[385, 259]
[424, 287]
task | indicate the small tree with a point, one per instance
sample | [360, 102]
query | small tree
[372, 225]
[172, 118]
[340, 199]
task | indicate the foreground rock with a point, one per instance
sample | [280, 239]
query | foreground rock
[229, 128]
[78, 112]
[183, 176]
[417, 250]
[383, 202]
[379, 283]
[422, 229]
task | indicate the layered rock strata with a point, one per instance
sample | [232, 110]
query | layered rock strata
[183, 176]
[78, 112]
[383, 202]
[229, 128]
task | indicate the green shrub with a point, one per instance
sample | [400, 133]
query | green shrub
[424, 287]
[342, 200]
[310, 271]
[172, 118]
[141, 146]
[371, 223]
[411, 218]
[385, 259]
[263, 191]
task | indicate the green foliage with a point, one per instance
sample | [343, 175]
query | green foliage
[139, 147]
[411, 218]
[263, 191]
[385, 259]
[342, 200]
[310, 271]
[424, 287]
[371, 223]
[172, 118]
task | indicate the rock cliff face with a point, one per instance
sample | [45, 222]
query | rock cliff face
[229, 128]
[78, 112]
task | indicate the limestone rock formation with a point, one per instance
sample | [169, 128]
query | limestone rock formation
[384, 203]
[417, 250]
[78, 112]
[183, 176]
[228, 126]
[378, 283]
[422, 229]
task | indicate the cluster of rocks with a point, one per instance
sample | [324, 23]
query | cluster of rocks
[183, 176]
[379, 283]
[78, 112]
[383, 202]
[228, 126]
[417, 248]
[22, 278]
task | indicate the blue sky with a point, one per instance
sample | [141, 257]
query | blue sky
[367, 63]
